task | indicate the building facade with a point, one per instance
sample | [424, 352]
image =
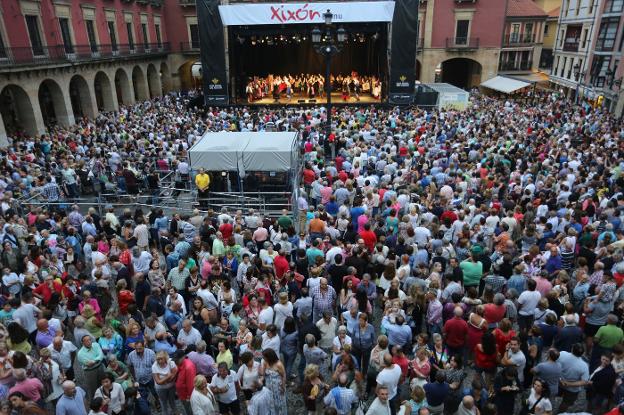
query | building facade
[522, 38]
[460, 40]
[552, 9]
[588, 52]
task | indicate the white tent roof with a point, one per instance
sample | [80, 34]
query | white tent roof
[218, 151]
[504, 84]
[245, 151]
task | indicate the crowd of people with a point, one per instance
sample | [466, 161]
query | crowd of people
[444, 262]
[350, 86]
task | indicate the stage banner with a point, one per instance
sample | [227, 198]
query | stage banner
[212, 53]
[298, 13]
[403, 52]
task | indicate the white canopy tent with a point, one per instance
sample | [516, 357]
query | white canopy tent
[245, 151]
[504, 84]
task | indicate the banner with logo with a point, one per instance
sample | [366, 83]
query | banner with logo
[403, 52]
[299, 13]
[212, 53]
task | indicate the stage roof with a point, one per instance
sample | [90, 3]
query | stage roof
[245, 151]
[504, 84]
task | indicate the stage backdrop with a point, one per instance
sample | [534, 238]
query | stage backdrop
[212, 47]
[403, 52]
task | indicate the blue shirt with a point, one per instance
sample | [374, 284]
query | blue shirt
[436, 393]
[72, 406]
[172, 319]
[398, 335]
[573, 369]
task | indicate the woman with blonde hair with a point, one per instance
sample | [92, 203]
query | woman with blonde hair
[313, 388]
[203, 401]
[164, 371]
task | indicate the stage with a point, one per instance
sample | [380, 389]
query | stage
[303, 99]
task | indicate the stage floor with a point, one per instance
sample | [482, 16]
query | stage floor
[298, 99]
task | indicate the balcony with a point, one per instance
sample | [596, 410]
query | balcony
[571, 46]
[462, 43]
[45, 55]
[515, 66]
[189, 47]
[515, 39]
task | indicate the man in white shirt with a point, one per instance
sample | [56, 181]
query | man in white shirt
[389, 377]
[63, 352]
[270, 339]
[514, 357]
[189, 335]
[327, 326]
[225, 386]
[381, 404]
[265, 317]
[527, 303]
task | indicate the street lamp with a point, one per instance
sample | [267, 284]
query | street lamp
[328, 43]
[577, 76]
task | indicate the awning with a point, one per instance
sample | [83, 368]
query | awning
[533, 77]
[504, 84]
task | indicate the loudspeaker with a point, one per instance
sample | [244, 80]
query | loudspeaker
[311, 101]
[301, 101]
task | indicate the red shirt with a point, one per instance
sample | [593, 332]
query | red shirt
[186, 379]
[46, 292]
[226, 230]
[448, 214]
[403, 364]
[494, 313]
[281, 266]
[308, 176]
[370, 239]
[502, 339]
[456, 330]
[125, 298]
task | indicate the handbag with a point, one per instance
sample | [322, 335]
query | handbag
[362, 407]
[525, 408]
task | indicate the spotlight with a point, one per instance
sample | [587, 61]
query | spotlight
[253, 40]
[375, 36]
[269, 41]
[240, 39]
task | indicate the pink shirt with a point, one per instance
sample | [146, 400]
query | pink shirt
[362, 220]
[543, 286]
[31, 388]
[260, 234]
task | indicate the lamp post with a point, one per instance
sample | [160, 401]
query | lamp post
[577, 76]
[328, 42]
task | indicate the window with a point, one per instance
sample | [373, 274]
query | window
[66, 34]
[561, 38]
[545, 30]
[158, 38]
[585, 37]
[591, 6]
[91, 35]
[3, 51]
[144, 32]
[194, 36]
[130, 35]
[614, 6]
[600, 65]
[113, 35]
[607, 33]
[563, 68]
[578, 7]
[32, 23]
[461, 32]
[528, 32]
[514, 35]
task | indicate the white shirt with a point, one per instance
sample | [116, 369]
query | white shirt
[282, 311]
[528, 301]
[266, 317]
[230, 381]
[203, 404]
[117, 397]
[63, 356]
[271, 343]
[390, 377]
[192, 337]
[247, 377]
[25, 316]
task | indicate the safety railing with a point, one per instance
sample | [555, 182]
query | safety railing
[43, 55]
